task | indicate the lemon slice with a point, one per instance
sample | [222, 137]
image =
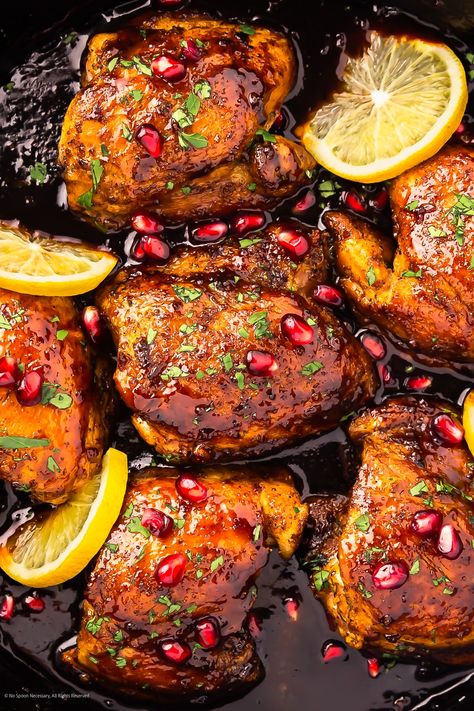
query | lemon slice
[400, 103]
[47, 267]
[52, 549]
[468, 420]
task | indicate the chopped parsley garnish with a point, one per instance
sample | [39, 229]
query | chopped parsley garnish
[362, 523]
[203, 89]
[135, 526]
[136, 94]
[244, 243]
[252, 187]
[227, 362]
[256, 533]
[411, 274]
[61, 334]
[370, 275]
[97, 169]
[266, 135]
[38, 173]
[259, 320]
[415, 568]
[112, 64]
[142, 67]
[113, 548]
[53, 466]
[311, 368]
[187, 293]
[195, 140]
[246, 30]
[412, 206]
[419, 489]
[126, 132]
[320, 579]
[216, 563]
[151, 335]
[50, 395]
[13, 442]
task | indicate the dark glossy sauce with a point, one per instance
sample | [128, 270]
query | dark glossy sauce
[43, 60]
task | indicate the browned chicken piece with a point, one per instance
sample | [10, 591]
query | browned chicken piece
[166, 605]
[223, 362]
[207, 155]
[422, 292]
[394, 567]
[52, 437]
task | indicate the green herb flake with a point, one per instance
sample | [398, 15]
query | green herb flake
[266, 135]
[256, 533]
[321, 579]
[246, 242]
[186, 190]
[121, 662]
[135, 526]
[194, 140]
[409, 274]
[371, 276]
[187, 293]
[412, 206]
[61, 334]
[38, 173]
[240, 380]
[113, 547]
[169, 185]
[246, 30]
[362, 523]
[216, 563]
[227, 362]
[126, 132]
[136, 94]
[112, 64]
[243, 332]
[203, 89]
[415, 568]
[13, 442]
[142, 67]
[53, 466]
[151, 335]
[419, 489]
[311, 368]
[252, 187]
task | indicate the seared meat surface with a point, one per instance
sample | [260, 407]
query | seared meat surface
[68, 426]
[409, 477]
[212, 159]
[131, 611]
[185, 337]
[422, 291]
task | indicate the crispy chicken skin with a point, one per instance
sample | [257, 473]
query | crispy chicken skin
[247, 78]
[226, 540]
[404, 468]
[183, 337]
[75, 432]
[424, 291]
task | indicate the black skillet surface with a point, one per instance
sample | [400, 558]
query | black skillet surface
[42, 45]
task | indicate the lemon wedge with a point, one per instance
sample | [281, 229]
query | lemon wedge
[54, 548]
[468, 420]
[47, 267]
[400, 102]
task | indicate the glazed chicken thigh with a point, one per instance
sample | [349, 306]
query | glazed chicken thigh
[218, 356]
[173, 115]
[53, 429]
[166, 605]
[394, 567]
[424, 291]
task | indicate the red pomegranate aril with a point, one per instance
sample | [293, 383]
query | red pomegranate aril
[28, 392]
[168, 68]
[191, 51]
[296, 330]
[157, 522]
[373, 345]
[419, 382]
[373, 667]
[328, 295]
[254, 624]
[449, 542]
[145, 223]
[426, 523]
[379, 201]
[137, 252]
[7, 608]
[448, 429]
[155, 248]
[210, 232]
[306, 202]
[354, 202]
[9, 371]
[292, 607]
[175, 651]
[35, 603]
[384, 373]
[261, 363]
[333, 651]
[247, 222]
[280, 122]
[92, 323]
[191, 489]
[391, 575]
[461, 128]
[170, 3]
[294, 242]
[170, 570]
[208, 633]
[151, 139]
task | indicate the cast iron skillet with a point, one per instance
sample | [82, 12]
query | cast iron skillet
[41, 46]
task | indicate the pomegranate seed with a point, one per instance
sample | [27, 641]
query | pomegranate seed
[35, 603]
[210, 232]
[385, 374]
[245, 222]
[354, 201]
[170, 570]
[155, 248]
[379, 201]
[137, 252]
[419, 382]
[449, 542]
[208, 633]
[426, 523]
[175, 651]
[448, 429]
[373, 345]
[157, 522]
[296, 330]
[191, 51]
[7, 608]
[168, 68]
[389, 576]
[461, 128]
[9, 371]
[280, 122]
[304, 203]
[332, 651]
[292, 607]
[328, 295]
[254, 624]
[28, 392]
[294, 242]
[170, 3]
[373, 667]
[92, 323]
[191, 489]
[151, 139]
[261, 363]
[145, 223]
